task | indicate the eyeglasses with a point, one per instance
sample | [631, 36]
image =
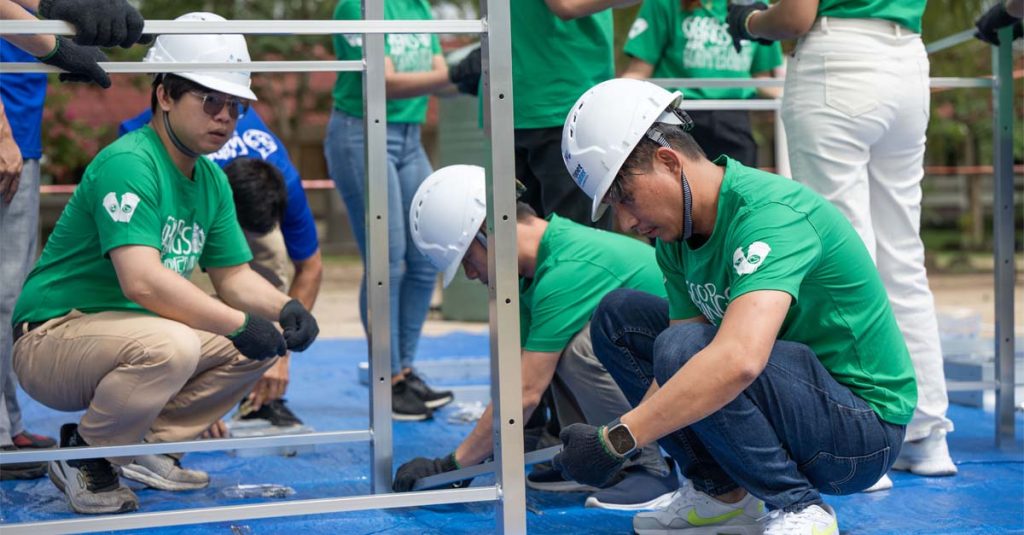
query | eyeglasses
[213, 103]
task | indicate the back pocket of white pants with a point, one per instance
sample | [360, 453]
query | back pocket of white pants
[850, 84]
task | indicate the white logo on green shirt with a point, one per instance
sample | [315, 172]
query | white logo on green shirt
[181, 245]
[746, 264]
[639, 26]
[121, 212]
[709, 300]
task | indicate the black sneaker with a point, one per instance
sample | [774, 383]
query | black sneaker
[21, 470]
[275, 411]
[406, 405]
[433, 399]
[92, 486]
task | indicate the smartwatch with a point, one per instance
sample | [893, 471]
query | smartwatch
[620, 439]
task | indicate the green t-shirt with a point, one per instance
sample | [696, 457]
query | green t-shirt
[556, 61]
[409, 52]
[696, 44]
[905, 12]
[576, 267]
[132, 194]
[775, 234]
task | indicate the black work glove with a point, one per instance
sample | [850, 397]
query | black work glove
[585, 457]
[737, 21]
[99, 22]
[997, 17]
[420, 467]
[466, 73]
[300, 327]
[258, 339]
[80, 63]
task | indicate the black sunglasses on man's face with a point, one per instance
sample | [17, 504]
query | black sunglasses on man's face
[214, 102]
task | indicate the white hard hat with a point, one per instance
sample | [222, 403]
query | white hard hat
[446, 214]
[188, 48]
[605, 125]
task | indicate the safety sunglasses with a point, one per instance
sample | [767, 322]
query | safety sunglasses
[213, 103]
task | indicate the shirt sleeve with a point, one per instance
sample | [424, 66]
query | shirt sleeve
[125, 201]
[774, 248]
[680, 306]
[225, 243]
[556, 311]
[766, 57]
[648, 36]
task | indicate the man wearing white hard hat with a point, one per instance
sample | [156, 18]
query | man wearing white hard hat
[565, 269]
[775, 371]
[108, 321]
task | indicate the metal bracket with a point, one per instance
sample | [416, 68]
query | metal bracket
[446, 478]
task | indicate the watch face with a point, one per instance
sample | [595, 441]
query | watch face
[621, 439]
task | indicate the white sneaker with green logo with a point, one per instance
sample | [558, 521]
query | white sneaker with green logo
[692, 512]
[811, 520]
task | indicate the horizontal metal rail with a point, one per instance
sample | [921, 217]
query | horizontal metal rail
[263, 27]
[305, 439]
[229, 513]
[438, 480]
[971, 386]
[950, 41]
[138, 67]
[682, 83]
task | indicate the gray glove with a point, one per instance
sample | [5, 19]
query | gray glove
[258, 339]
[99, 22]
[80, 63]
[997, 17]
[466, 73]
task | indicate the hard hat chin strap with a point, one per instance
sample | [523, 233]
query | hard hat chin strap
[178, 143]
[687, 207]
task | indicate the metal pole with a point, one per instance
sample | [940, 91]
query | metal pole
[378, 281]
[1003, 234]
[503, 271]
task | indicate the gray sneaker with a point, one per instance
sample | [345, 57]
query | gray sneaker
[91, 485]
[165, 473]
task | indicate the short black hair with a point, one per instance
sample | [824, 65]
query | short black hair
[260, 193]
[175, 86]
[641, 160]
[524, 211]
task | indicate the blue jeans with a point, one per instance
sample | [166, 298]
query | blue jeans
[19, 222]
[411, 274]
[793, 433]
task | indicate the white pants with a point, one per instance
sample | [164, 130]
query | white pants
[855, 110]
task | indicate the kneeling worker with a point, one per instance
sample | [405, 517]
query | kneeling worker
[565, 269]
[108, 320]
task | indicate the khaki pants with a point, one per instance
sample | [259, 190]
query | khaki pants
[270, 258]
[138, 376]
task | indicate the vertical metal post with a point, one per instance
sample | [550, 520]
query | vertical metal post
[503, 270]
[378, 285]
[1003, 234]
[781, 148]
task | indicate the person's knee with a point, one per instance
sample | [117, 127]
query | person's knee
[173, 354]
[610, 311]
[675, 346]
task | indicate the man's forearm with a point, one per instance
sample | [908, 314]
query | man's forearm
[37, 45]
[479, 445]
[244, 289]
[169, 295]
[786, 19]
[572, 9]
[306, 284]
[704, 385]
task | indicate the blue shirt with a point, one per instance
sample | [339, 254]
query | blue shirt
[23, 96]
[252, 139]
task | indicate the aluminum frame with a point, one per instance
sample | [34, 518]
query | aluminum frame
[509, 489]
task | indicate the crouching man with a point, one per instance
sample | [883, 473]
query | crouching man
[108, 320]
[565, 269]
[775, 372]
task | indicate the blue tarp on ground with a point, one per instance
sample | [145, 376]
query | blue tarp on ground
[986, 497]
